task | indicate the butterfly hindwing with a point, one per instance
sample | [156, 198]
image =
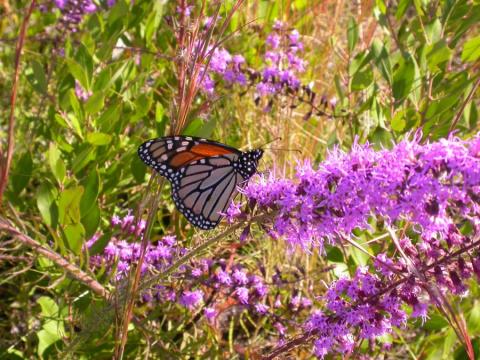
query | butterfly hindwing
[205, 189]
[204, 174]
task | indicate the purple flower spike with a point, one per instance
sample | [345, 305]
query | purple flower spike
[191, 299]
[242, 294]
[210, 314]
[240, 277]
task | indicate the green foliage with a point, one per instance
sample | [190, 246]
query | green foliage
[75, 162]
[416, 77]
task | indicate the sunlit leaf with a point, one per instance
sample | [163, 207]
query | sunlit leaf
[471, 50]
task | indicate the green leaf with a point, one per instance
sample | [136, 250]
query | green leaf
[402, 8]
[435, 323]
[434, 31]
[99, 139]
[46, 196]
[200, 128]
[419, 7]
[339, 87]
[94, 103]
[84, 156]
[403, 78]
[77, 109]
[91, 221]
[381, 137]
[382, 60]
[100, 244]
[74, 234]
[103, 80]
[381, 6]
[142, 106]
[36, 77]
[352, 34]
[56, 163]
[78, 73]
[69, 205]
[341, 270]
[138, 169]
[398, 122]
[334, 254]
[49, 307]
[61, 121]
[474, 318]
[359, 62]
[52, 329]
[362, 79]
[109, 118]
[85, 61]
[449, 342]
[153, 21]
[438, 54]
[22, 172]
[471, 50]
[91, 185]
[360, 258]
[472, 117]
[160, 119]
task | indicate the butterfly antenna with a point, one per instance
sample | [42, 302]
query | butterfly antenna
[269, 142]
[283, 149]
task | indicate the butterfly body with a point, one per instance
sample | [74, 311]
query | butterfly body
[204, 174]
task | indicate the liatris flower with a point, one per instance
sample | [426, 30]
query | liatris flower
[279, 76]
[431, 187]
[223, 64]
[81, 93]
[210, 274]
[191, 299]
[283, 62]
[73, 12]
[352, 310]
[122, 254]
[425, 185]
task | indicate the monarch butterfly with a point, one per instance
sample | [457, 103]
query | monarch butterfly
[204, 174]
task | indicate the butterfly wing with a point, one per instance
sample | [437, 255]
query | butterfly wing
[167, 154]
[205, 188]
[201, 171]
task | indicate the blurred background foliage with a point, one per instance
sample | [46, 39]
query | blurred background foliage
[387, 68]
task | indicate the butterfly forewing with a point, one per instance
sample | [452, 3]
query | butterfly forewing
[204, 174]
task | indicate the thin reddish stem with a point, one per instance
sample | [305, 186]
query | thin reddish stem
[7, 159]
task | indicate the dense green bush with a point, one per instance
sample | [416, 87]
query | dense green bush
[89, 93]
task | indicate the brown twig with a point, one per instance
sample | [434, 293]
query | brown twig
[70, 268]
[6, 160]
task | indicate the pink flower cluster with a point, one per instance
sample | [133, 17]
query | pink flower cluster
[429, 190]
[431, 186]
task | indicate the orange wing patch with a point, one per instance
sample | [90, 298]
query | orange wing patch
[184, 158]
[210, 150]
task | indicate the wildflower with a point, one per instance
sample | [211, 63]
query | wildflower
[348, 188]
[81, 93]
[210, 314]
[191, 299]
[73, 12]
[261, 308]
[242, 294]
[240, 277]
